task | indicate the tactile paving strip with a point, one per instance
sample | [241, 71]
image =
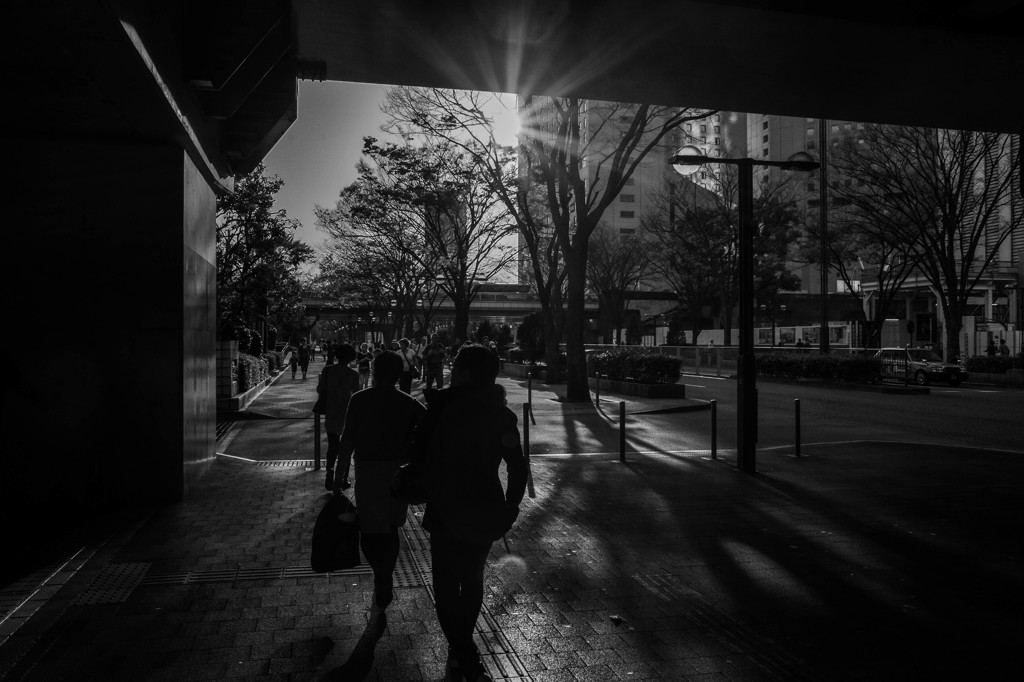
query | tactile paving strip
[114, 584]
[234, 575]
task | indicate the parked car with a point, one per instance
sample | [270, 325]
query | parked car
[922, 365]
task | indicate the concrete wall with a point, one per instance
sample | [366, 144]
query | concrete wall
[109, 278]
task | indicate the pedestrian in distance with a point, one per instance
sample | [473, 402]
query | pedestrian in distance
[1004, 350]
[410, 365]
[992, 349]
[293, 359]
[434, 357]
[378, 429]
[335, 387]
[467, 433]
[363, 358]
[304, 355]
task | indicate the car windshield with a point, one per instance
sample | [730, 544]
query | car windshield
[923, 355]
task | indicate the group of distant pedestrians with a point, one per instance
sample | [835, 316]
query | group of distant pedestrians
[458, 441]
[1002, 349]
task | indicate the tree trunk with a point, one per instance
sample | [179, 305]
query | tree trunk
[726, 318]
[552, 354]
[577, 389]
[954, 323]
[461, 319]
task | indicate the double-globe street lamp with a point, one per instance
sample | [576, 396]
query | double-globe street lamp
[687, 161]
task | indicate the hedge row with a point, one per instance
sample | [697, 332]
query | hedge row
[643, 367]
[854, 368]
[251, 371]
[995, 364]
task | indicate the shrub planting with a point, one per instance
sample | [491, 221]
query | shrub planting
[251, 371]
[644, 367]
[996, 364]
[790, 365]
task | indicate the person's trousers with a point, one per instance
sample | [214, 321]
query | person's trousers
[381, 552]
[405, 382]
[432, 374]
[458, 573]
[333, 449]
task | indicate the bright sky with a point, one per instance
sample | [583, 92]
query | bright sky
[317, 157]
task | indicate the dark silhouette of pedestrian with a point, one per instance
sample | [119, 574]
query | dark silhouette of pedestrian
[378, 429]
[410, 365]
[304, 354]
[434, 357]
[293, 359]
[335, 387]
[1004, 350]
[467, 433]
[363, 358]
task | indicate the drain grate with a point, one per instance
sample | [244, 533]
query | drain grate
[285, 463]
[114, 584]
[223, 426]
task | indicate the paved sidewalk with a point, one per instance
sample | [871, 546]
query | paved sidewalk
[864, 560]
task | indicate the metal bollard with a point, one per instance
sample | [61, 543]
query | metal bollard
[622, 431]
[796, 403]
[527, 413]
[714, 429]
[529, 396]
[316, 442]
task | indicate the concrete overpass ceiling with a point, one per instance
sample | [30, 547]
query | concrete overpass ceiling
[947, 64]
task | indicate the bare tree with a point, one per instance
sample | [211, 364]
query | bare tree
[442, 192]
[942, 195]
[573, 159]
[697, 231]
[616, 268]
[379, 253]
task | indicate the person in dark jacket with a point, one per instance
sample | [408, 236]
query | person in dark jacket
[335, 387]
[378, 429]
[467, 433]
[304, 354]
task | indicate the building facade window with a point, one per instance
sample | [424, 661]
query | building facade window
[630, 182]
[718, 130]
[764, 139]
[627, 214]
[764, 125]
[764, 152]
[627, 230]
[703, 128]
[627, 198]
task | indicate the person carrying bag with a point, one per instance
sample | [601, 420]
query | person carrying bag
[378, 429]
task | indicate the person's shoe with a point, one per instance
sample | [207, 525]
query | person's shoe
[452, 669]
[476, 673]
[329, 481]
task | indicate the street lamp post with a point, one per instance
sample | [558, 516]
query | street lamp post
[685, 162]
